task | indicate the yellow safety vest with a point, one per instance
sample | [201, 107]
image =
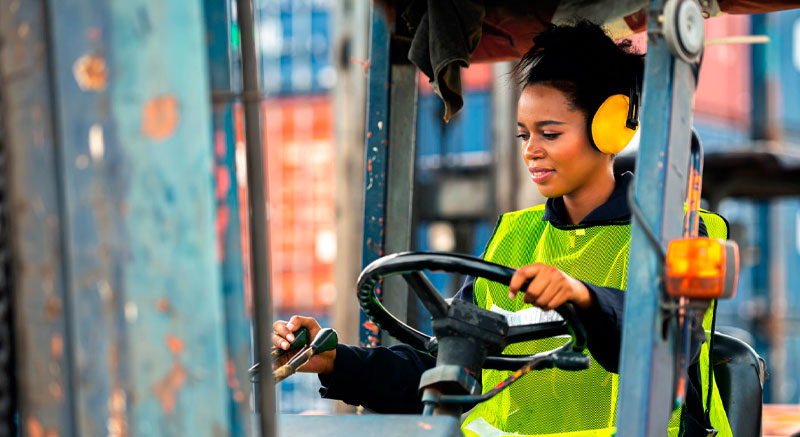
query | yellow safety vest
[555, 402]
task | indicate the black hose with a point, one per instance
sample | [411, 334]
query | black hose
[8, 407]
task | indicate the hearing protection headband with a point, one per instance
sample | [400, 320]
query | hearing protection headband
[616, 121]
[633, 106]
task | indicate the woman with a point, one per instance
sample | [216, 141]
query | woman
[574, 248]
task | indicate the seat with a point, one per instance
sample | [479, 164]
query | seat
[740, 374]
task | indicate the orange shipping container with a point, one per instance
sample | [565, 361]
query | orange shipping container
[298, 134]
[724, 88]
[477, 77]
[299, 149]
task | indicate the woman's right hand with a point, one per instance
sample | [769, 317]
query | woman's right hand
[321, 363]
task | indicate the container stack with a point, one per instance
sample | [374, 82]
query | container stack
[295, 38]
[733, 79]
[454, 208]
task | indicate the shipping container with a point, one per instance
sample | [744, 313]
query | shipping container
[723, 95]
[463, 142]
[295, 43]
[765, 311]
[452, 157]
[723, 90]
[719, 135]
[788, 304]
[787, 34]
[744, 315]
[300, 151]
[478, 77]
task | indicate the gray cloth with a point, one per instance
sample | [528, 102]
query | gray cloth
[446, 33]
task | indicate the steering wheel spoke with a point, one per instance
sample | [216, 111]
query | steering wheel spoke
[517, 334]
[431, 299]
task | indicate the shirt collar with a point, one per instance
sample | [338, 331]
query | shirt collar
[614, 209]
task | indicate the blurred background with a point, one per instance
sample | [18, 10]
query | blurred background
[125, 300]
[469, 171]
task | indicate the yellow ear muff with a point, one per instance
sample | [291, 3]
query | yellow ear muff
[609, 130]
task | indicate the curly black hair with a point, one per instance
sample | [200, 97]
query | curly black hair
[583, 62]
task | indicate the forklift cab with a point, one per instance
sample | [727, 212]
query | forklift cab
[675, 39]
[114, 316]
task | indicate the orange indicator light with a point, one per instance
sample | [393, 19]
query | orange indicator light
[702, 268]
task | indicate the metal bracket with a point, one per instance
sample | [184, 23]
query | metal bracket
[671, 309]
[455, 378]
[227, 96]
[683, 29]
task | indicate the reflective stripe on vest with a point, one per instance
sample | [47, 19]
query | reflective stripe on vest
[554, 401]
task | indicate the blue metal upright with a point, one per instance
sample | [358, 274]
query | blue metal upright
[222, 74]
[377, 151]
[121, 328]
[40, 304]
[647, 370]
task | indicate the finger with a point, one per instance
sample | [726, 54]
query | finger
[279, 337]
[281, 329]
[549, 292]
[559, 299]
[538, 286]
[279, 342]
[519, 278]
[297, 322]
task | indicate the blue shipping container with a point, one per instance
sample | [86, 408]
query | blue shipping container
[463, 142]
[786, 54]
[295, 39]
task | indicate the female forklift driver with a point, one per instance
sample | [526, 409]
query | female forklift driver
[574, 248]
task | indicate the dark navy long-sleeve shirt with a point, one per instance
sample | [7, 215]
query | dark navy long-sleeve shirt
[386, 379]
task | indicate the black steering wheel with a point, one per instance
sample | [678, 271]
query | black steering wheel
[495, 333]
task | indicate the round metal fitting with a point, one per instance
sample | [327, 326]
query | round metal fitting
[684, 29]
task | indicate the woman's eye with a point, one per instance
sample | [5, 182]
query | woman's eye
[550, 135]
[523, 137]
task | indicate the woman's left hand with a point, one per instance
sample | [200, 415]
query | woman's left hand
[549, 288]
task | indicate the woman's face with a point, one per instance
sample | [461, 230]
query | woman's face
[555, 142]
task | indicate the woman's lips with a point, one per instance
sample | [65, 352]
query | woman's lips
[540, 175]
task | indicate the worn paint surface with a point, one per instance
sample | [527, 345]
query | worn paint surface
[158, 51]
[131, 204]
[39, 268]
[160, 117]
[376, 153]
[120, 315]
[647, 361]
[228, 222]
[91, 220]
[90, 72]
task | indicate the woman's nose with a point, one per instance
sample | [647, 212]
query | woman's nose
[532, 150]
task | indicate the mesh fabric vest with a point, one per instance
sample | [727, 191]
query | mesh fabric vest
[556, 402]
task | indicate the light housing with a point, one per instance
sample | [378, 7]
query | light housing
[702, 268]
